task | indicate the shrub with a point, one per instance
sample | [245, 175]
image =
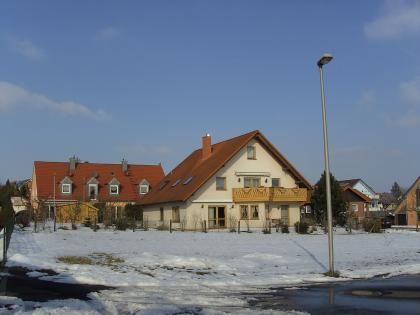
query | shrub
[162, 227]
[95, 227]
[285, 228]
[121, 224]
[87, 222]
[372, 225]
[301, 227]
[73, 226]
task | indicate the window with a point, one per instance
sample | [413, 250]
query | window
[418, 199]
[161, 214]
[244, 212]
[284, 214]
[254, 212]
[163, 184]
[250, 152]
[220, 183]
[176, 182]
[275, 182]
[93, 191]
[114, 189]
[252, 182]
[354, 207]
[144, 189]
[187, 181]
[175, 215]
[66, 188]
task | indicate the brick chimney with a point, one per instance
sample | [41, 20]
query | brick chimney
[124, 164]
[206, 150]
[72, 164]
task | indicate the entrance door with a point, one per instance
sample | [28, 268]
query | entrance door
[217, 217]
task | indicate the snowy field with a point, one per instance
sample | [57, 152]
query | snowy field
[195, 273]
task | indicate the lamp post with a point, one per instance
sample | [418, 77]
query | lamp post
[326, 58]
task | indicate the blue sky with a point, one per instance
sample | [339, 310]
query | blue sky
[145, 80]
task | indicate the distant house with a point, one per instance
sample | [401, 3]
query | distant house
[388, 201]
[19, 204]
[365, 189]
[67, 184]
[244, 178]
[408, 209]
[358, 202]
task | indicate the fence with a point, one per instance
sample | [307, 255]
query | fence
[5, 236]
[266, 226]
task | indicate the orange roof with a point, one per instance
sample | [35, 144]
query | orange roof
[194, 172]
[347, 186]
[104, 173]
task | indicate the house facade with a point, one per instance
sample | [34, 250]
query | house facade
[408, 210]
[244, 178]
[62, 186]
[358, 203]
[367, 190]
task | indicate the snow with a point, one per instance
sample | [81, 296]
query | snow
[188, 269]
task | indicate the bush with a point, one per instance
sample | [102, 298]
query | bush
[285, 228]
[301, 227]
[94, 227]
[87, 222]
[73, 226]
[372, 225]
[121, 224]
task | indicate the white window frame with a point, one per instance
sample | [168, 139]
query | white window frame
[112, 186]
[96, 191]
[253, 150]
[354, 207]
[66, 185]
[141, 192]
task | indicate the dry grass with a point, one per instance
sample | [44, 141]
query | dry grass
[75, 260]
[100, 259]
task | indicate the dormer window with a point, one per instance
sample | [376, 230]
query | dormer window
[114, 189]
[93, 191]
[92, 186]
[143, 187]
[66, 188]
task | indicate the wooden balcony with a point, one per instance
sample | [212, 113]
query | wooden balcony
[270, 194]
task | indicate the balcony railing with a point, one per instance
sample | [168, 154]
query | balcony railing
[270, 194]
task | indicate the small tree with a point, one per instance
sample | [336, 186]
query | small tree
[319, 201]
[133, 213]
[74, 212]
[396, 191]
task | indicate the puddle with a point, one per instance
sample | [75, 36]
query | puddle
[26, 285]
[397, 295]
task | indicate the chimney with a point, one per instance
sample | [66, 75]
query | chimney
[124, 165]
[206, 150]
[72, 164]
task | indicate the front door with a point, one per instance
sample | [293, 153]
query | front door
[217, 217]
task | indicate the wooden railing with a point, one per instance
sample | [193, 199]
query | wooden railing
[267, 194]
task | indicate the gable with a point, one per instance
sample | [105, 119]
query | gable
[194, 172]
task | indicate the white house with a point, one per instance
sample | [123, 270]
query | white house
[244, 178]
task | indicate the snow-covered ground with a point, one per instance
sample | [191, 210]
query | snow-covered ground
[173, 272]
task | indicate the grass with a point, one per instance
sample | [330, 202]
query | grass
[75, 260]
[100, 259]
[334, 274]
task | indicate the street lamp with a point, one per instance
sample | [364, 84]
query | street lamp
[326, 58]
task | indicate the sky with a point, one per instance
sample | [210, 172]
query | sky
[145, 80]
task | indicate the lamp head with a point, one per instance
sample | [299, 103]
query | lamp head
[326, 58]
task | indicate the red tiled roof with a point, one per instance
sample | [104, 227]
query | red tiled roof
[197, 171]
[129, 189]
[362, 196]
